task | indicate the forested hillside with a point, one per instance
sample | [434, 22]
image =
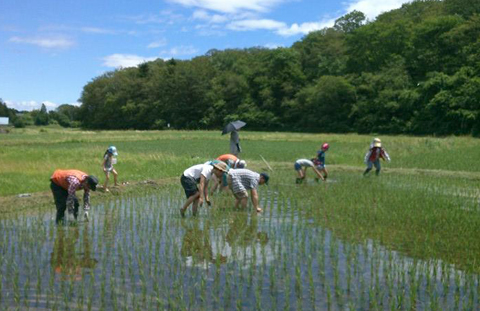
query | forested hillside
[413, 70]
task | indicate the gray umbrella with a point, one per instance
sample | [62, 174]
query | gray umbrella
[233, 126]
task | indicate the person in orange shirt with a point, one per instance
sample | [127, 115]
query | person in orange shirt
[232, 161]
[64, 184]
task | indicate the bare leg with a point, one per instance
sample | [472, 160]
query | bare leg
[325, 173]
[244, 202]
[301, 176]
[115, 175]
[189, 201]
[107, 177]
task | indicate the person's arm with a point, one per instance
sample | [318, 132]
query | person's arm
[385, 155]
[367, 156]
[207, 198]
[318, 173]
[254, 193]
[86, 199]
[201, 189]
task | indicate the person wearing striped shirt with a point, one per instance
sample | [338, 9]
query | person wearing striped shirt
[242, 180]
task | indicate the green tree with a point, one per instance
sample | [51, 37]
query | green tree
[350, 22]
[41, 117]
[326, 105]
[465, 8]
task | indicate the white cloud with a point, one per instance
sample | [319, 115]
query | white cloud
[157, 44]
[178, 51]
[256, 24]
[164, 17]
[231, 6]
[30, 105]
[125, 60]
[210, 18]
[372, 8]
[45, 42]
[96, 30]
[304, 28]
[245, 15]
[273, 46]
[279, 27]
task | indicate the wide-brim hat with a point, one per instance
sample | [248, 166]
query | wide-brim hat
[222, 166]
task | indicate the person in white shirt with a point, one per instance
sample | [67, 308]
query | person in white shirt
[301, 166]
[194, 181]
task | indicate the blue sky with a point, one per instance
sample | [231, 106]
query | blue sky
[51, 48]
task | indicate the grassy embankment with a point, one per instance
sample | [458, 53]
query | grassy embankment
[425, 203]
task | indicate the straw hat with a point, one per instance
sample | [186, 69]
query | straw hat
[222, 166]
[377, 142]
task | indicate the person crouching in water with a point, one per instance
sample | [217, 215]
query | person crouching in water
[64, 183]
[108, 161]
[320, 161]
[301, 166]
[233, 162]
[373, 155]
[241, 180]
[194, 181]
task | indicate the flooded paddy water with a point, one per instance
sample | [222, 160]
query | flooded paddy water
[137, 253]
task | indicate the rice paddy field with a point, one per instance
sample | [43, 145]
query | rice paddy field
[406, 240]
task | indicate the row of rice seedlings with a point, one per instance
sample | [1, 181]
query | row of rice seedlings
[136, 244]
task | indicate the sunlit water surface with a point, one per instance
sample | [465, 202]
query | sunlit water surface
[137, 253]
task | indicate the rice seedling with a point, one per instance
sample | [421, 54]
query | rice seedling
[405, 240]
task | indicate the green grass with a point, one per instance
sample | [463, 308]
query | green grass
[29, 156]
[419, 218]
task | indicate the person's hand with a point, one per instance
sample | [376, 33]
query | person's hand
[200, 201]
[208, 202]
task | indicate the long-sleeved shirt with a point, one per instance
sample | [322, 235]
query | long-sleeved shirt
[73, 185]
[374, 153]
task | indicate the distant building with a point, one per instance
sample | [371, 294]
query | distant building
[3, 121]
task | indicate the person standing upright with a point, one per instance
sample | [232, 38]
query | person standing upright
[109, 159]
[373, 155]
[235, 148]
[320, 160]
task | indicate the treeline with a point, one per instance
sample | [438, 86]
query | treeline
[413, 70]
[65, 115]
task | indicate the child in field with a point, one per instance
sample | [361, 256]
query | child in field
[373, 155]
[109, 159]
[320, 161]
[301, 166]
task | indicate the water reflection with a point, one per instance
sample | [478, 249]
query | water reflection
[66, 259]
[196, 243]
[243, 231]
